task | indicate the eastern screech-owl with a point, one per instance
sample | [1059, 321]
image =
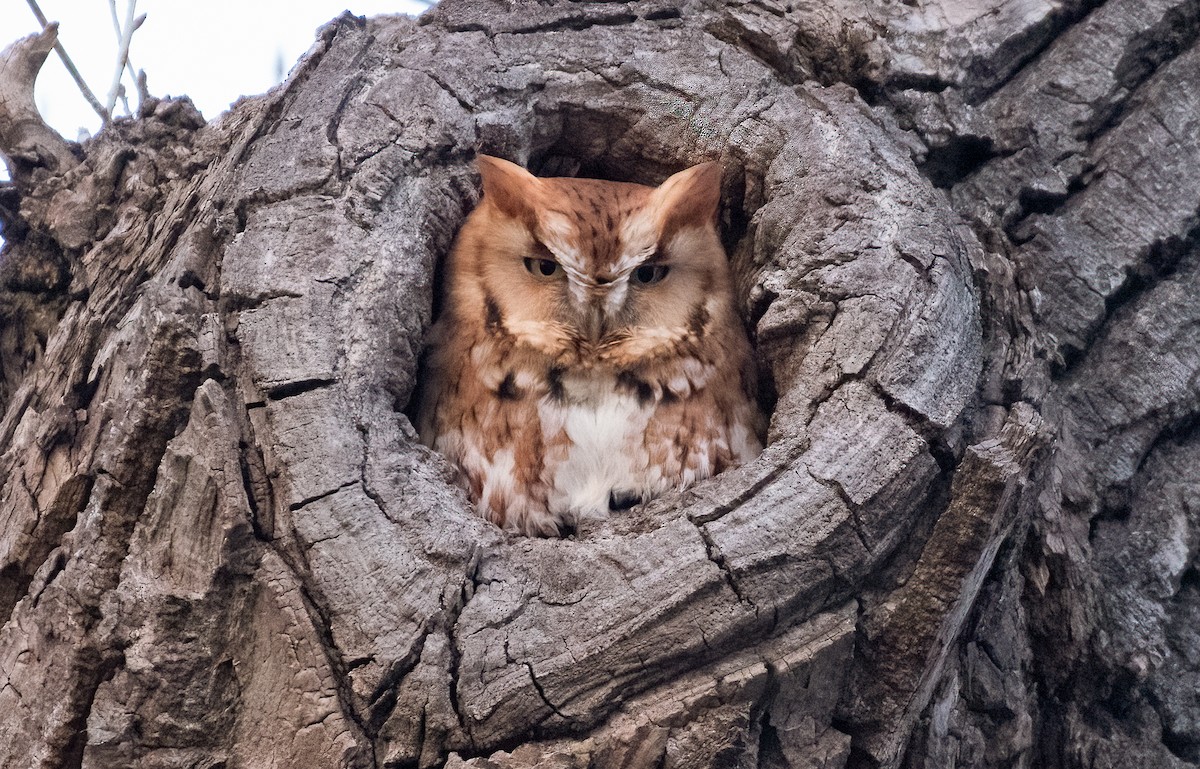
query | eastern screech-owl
[588, 355]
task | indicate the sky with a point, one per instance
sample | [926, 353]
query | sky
[212, 50]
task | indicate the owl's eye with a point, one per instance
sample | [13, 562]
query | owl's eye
[649, 274]
[543, 268]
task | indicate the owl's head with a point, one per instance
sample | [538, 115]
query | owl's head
[577, 267]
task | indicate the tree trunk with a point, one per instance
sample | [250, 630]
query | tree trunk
[965, 238]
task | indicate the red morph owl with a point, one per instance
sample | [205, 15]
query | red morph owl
[588, 355]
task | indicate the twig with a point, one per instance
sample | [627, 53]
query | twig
[132, 70]
[131, 23]
[70, 65]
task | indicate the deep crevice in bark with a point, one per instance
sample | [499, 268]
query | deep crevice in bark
[1025, 49]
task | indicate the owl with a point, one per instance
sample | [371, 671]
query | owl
[588, 355]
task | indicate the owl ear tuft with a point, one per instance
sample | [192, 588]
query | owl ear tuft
[512, 189]
[690, 197]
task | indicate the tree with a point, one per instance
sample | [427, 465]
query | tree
[965, 239]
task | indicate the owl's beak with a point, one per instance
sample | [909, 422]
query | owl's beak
[594, 321]
[591, 302]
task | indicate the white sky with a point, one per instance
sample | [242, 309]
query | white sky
[211, 50]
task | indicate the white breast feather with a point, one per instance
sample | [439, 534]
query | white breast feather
[607, 451]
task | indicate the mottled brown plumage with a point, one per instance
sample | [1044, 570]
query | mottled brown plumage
[588, 355]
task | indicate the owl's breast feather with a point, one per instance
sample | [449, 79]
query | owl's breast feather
[601, 430]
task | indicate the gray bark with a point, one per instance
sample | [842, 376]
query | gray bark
[965, 240]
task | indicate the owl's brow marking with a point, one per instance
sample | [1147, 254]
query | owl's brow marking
[557, 234]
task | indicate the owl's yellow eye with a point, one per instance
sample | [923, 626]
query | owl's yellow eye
[543, 268]
[649, 274]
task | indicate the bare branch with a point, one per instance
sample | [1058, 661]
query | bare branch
[131, 24]
[129, 67]
[70, 65]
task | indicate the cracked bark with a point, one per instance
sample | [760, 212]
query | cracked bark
[964, 236]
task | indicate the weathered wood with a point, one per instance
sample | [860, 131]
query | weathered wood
[27, 141]
[964, 240]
